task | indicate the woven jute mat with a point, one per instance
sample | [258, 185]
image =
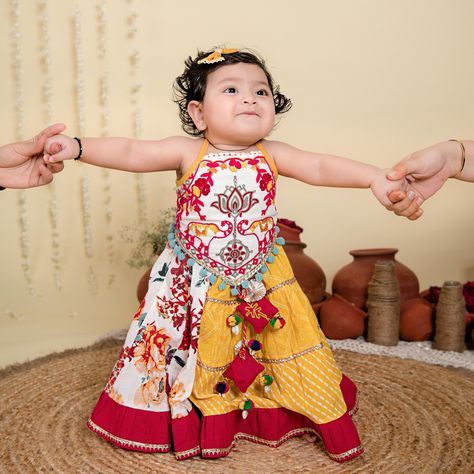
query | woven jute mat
[413, 417]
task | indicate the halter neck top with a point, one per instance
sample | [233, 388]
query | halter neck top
[225, 212]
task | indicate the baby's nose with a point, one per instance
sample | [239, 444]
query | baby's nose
[248, 98]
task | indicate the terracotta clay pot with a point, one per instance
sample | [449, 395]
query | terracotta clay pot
[341, 319]
[417, 320]
[308, 273]
[469, 323]
[351, 281]
[142, 287]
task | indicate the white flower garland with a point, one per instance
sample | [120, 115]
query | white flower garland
[136, 114]
[104, 102]
[19, 113]
[86, 212]
[47, 94]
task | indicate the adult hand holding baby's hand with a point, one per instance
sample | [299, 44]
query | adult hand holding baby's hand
[60, 148]
[425, 171]
[393, 191]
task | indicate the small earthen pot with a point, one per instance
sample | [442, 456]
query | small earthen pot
[417, 320]
[341, 319]
[469, 322]
[142, 286]
[352, 280]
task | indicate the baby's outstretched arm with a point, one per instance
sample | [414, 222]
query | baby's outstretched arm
[329, 170]
[119, 153]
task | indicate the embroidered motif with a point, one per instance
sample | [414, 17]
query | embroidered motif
[253, 310]
[235, 200]
[235, 235]
[234, 253]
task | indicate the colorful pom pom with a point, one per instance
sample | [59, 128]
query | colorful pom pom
[277, 323]
[203, 272]
[266, 379]
[234, 291]
[212, 278]
[275, 251]
[277, 230]
[191, 262]
[233, 320]
[280, 241]
[221, 388]
[270, 259]
[254, 345]
[222, 285]
[263, 269]
[246, 405]
[245, 284]
[258, 277]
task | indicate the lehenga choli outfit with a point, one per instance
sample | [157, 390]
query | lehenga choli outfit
[225, 345]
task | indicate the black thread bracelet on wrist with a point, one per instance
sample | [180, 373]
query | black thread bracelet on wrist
[1, 188]
[78, 140]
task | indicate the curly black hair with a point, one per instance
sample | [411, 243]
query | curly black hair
[191, 85]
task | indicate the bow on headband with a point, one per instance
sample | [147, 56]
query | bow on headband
[216, 55]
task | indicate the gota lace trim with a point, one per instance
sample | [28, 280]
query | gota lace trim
[164, 448]
[269, 292]
[281, 285]
[212, 452]
[264, 360]
[187, 454]
[356, 406]
[348, 454]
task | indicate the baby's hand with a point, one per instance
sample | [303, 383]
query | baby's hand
[405, 204]
[394, 196]
[60, 148]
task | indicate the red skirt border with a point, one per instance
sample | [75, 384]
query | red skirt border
[215, 436]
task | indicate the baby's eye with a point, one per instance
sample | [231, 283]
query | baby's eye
[262, 92]
[231, 90]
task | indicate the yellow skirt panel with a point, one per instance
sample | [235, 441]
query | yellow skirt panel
[298, 357]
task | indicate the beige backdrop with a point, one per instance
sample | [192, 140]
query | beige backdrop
[371, 80]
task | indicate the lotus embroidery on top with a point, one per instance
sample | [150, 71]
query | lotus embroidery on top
[235, 200]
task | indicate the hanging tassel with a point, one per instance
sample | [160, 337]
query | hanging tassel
[266, 380]
[245, 406]
[233, 322]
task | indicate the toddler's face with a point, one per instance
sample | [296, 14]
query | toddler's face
[238, 105]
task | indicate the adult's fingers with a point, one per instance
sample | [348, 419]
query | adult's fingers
[397, 172]
[35, 146]
[56, 167]
[45, 175]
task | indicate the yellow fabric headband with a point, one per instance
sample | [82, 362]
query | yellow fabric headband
[216, 55]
